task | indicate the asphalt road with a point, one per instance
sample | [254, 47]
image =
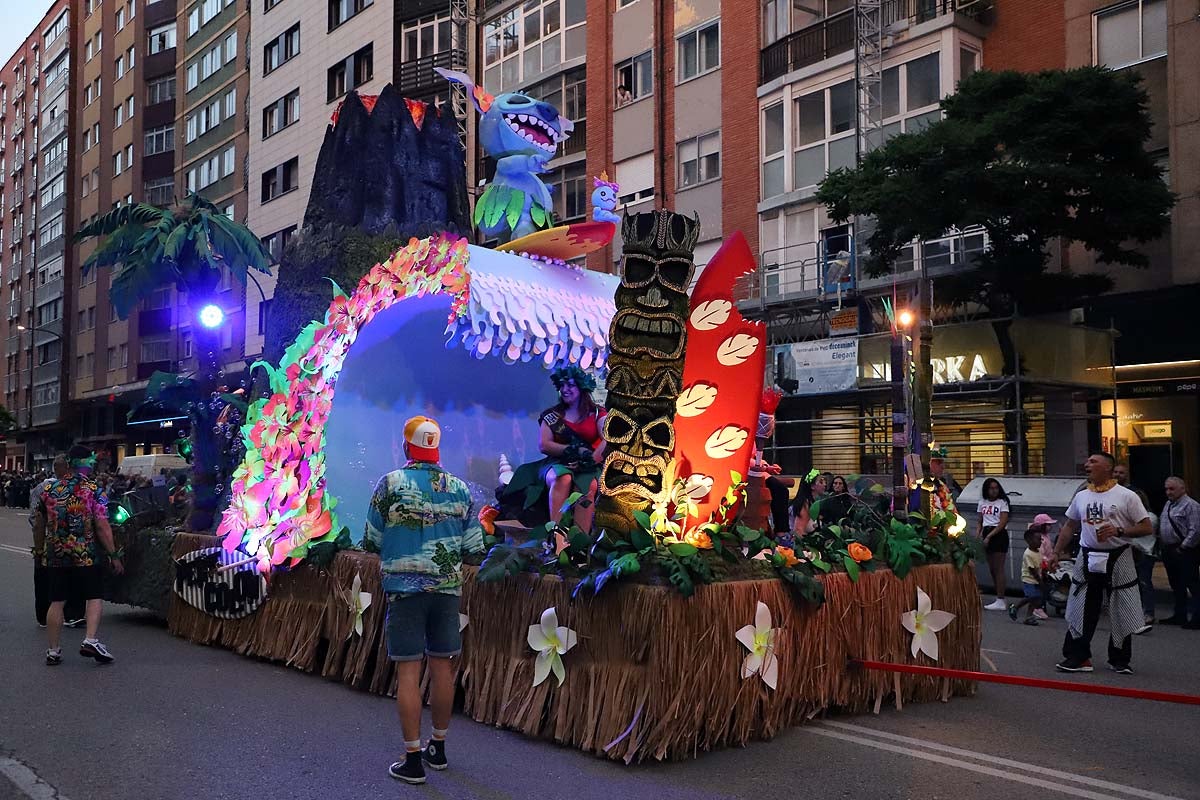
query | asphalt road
[174, 720]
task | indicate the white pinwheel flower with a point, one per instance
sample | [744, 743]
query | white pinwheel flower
[360, 601]
[551, 641]
[759, 639]
[924, 623]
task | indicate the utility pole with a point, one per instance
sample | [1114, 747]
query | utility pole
[899, 420]
[923, 388]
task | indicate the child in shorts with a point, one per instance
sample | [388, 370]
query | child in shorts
[1031, 576]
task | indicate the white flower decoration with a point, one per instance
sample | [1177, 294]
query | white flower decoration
[360, 601]
[759, 639]
[924, 625]
[551, 641]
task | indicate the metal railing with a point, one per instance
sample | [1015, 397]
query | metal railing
[784, 273]
[417, 80]
[54, 127]
[835, 34]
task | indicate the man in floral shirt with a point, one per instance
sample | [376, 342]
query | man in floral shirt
[71, 516]
[420, 523]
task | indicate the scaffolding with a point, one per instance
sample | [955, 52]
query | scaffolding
[461, 55]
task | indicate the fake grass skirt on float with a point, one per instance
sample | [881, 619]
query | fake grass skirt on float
[653, 676]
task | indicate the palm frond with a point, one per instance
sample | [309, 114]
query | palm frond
[119, 248]
[135, 282]
[239, 246]
[138, 214]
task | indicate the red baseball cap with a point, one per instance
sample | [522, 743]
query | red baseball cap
[423, 437]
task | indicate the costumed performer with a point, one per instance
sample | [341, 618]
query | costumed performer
[573, 445]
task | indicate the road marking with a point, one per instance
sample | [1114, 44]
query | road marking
[1007, 764]
[23, 551]
[1001, 652]
[27, 781]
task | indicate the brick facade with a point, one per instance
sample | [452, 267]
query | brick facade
[739, 133]
[1026, 35]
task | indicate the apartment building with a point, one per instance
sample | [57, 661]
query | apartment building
[212, 84]
[34, 173]
[306, 55]
[1155, 423]
[124, 135]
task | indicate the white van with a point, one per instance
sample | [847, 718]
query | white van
[151, 466]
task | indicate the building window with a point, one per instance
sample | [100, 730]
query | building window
[278, 241]
[120, 66]
[160, 140]
[531, 39]
[160, 90]
[129, 56]
[156, 348]
[911, 93]
[421, 38]
[699, 159]
[772, 144]
[269, 4]
[48, 352]
[342, 10]
[160, 191]
[282, 49]
[1130, 32]
[161, 38]
[825, 137]
[56, 29]
[698, 51]
[282, 113]
[357, 69]
[280, 180]
[118, 163]
[217, 56]
[264, 311]
[200, 14]
[635, 78]
[49, 312]
[211, 170]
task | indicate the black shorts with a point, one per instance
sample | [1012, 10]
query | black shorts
[998, 543]
[74, 583]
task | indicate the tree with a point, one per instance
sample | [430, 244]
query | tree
[186, 247]
[7, 421]
[1029, 158]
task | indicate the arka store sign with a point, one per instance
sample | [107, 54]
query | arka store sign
[951, 369]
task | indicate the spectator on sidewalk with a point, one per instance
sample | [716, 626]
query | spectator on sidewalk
[73, 611]
[71, 516]
[420, 521]
[1031, 576]
[993, 532]
[1108, 517]
[1043, 524]
[1179, 532]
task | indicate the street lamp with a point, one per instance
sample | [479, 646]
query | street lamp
[211, 316]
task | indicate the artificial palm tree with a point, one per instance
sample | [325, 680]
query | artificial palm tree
[184, 246]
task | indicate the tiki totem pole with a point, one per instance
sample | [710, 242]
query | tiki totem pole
[646, 352]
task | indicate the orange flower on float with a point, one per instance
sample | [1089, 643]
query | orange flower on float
[859, 552]
[698, 539]
[487, 519]
[789, 555]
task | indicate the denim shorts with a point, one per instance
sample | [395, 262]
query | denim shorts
[1032, 591]
[420, 624]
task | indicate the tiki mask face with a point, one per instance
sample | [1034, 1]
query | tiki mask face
[646, 346]
[652, 300]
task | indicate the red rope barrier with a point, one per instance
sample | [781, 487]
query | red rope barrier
[1037, 683]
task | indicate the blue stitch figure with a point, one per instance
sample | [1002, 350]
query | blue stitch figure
[521, 134]
[604, 199]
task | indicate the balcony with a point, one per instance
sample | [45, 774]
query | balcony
[58, 84]
[578, 141]
[834, 34]
[418, 81]
[54, 127]
[812, 271]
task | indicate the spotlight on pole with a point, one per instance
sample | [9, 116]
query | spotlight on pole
[211, 316]
[905, 318]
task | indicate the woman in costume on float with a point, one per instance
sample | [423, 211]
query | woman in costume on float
[574, 448]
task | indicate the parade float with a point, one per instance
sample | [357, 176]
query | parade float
[675, 626]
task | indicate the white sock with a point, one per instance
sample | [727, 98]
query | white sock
[412, 747]
[54, 651]
[90, 641]
[439, 734]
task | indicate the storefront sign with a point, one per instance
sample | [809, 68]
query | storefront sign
[1154, 430]
[820, 367]
[951, 369]
[1159, 388]
[844, 323]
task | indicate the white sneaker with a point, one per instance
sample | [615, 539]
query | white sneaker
[1037, 612]
[996, 605]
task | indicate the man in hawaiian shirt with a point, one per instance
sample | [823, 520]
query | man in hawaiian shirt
[421, 524]
[71, 515]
